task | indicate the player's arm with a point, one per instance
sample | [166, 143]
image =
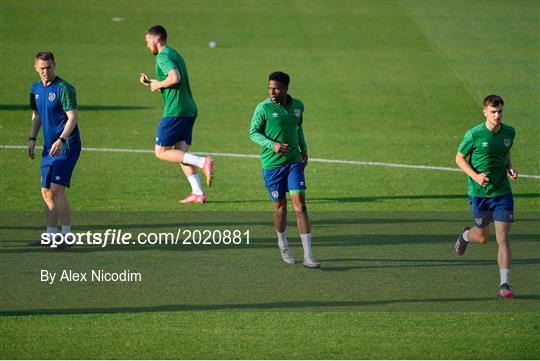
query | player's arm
[34, 130]
[144, 79]
[303, 145]
[73, 118]
[68, 99]
[36, 124]
[512, 172]
[465, 149]
[173, 78]
[257, 135]
[464, 165]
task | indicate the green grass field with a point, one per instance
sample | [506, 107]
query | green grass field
[390, 82]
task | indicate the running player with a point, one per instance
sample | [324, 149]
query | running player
[484, 155]
[179, 113]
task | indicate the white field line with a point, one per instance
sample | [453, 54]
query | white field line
[316, 160]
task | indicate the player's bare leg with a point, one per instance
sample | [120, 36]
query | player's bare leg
[188, 169]
[56, 207]
[502, 230]
[504, 255]
[192, 174]
[177, 156]
[302, 218]
[61, 204]
[280, 215]
[472, 235]
[478, 235]
[51, 217]
[280, 224]
[169, 154]
[304, 228]
[61, 209]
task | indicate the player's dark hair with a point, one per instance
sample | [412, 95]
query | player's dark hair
[45, 56]
[158, 30]
[493, 100]
[281, 77]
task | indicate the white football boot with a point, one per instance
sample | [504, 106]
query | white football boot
[287, 255]
[310, 262]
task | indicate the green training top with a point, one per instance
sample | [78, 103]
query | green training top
[488, 153]
[271, 123]
[178, 99]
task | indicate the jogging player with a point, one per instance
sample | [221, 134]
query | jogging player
[484, 155]
[179, 113]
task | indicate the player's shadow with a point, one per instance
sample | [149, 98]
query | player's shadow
[263, 243]
[282, 305]
[80, 107]
[266, 221]
[369, 199]
[397, 197]
[369, 263]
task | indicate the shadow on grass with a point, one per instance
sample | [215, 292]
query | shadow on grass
[286, 305]
[130, 221]
[80, 107]
[416, 263]
[259, 243]
[378, 198]
[267, 221]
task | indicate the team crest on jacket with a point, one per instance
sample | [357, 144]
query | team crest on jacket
[298, 113]
[507, 142]
[52, 96]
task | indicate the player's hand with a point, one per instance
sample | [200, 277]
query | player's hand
[31, 148]
[155, 85]
[482, 179]
[304, 159]
[56, 147]
[512, 173]
[144, 79]
[281, 148]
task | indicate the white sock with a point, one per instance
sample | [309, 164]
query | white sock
[195, 184]
[51, 230]
[193, 160]
[282, 240]
[306, 244]
[66, 229]
[466, 236]
[505, 275]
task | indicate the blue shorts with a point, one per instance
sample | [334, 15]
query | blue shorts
[58, 169]
[172, 130]
[487, 210]
[287, 178]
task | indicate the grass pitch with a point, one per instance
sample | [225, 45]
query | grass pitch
[394, 82]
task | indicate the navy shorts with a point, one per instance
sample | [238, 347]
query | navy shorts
[172, 130]
[58, 169]
[487, 210]
[287, 178]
